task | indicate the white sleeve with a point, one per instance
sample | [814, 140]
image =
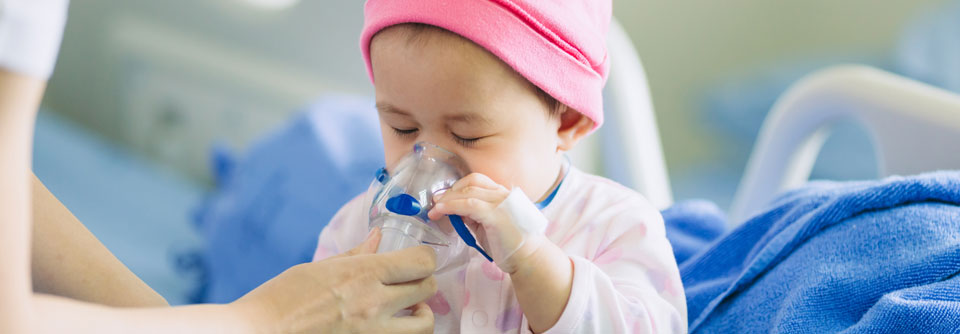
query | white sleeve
[347, 229]
[30, 35]
[632, 285]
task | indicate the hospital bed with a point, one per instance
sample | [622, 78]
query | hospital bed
[914, 128]
[627, 148]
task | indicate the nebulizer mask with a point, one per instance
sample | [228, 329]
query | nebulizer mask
[403, 196]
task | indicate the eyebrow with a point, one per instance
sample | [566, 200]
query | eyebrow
[387, 108]
[465, 117]
[468, 117]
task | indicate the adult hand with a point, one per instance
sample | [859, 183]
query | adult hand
[355, 292]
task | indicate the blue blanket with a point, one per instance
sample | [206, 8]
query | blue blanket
[270, 205]
[858, 257]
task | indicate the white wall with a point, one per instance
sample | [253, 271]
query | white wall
[168, 77]
[689, 44]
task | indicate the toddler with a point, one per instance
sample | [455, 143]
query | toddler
[509, 86]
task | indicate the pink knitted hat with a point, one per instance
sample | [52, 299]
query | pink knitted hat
[559, 46]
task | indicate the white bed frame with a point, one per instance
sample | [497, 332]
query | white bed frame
[630, 125]
[914, 127]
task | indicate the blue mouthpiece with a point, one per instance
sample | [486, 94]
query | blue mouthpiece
[465, 234]
[404, 205]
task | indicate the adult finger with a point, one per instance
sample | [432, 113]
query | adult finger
[368, 246]
[399, 296]
[421, 321]
[406, 265]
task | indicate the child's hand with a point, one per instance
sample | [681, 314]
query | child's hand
[506, 223]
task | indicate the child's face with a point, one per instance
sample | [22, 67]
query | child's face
[443, 89]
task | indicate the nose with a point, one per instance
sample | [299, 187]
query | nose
[442, 140]
[435, 139]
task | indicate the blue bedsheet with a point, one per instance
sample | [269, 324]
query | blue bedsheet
[859, 257]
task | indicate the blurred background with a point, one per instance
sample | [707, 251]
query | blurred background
[163, 117]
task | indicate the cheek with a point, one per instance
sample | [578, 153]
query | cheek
[492, 162]
[393, 147]
[533, 161]
[518, 163]
[537, 165]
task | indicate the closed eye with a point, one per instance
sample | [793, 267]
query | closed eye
[404, 132]
[466, 141]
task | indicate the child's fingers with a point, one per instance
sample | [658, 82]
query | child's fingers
[479, 194]
[476, 180]
[483, 194]
[473, 208]
[433, 214]
[492, 196]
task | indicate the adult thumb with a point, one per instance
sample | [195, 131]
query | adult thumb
[369, 245]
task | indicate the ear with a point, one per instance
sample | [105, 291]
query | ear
[573, 127]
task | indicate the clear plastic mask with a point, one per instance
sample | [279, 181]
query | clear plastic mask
[405, 195]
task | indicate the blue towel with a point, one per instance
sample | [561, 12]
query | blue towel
[270, 206]
[860, 257]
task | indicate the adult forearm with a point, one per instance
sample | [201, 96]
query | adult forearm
[69, 261]
[30, 32]
[19, 98]
[61, 315]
